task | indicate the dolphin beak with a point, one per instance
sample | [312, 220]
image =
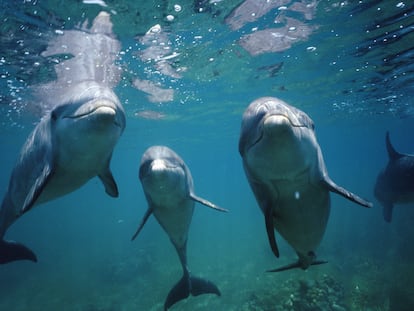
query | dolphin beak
[275, 124]
[158, 165]
[106, 110]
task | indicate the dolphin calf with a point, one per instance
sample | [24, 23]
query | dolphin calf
[67, 148]
[286, 171]
[169, 190]
[395, 183]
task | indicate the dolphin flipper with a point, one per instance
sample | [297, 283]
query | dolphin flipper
[189, 285]
[12, 251]
[109, 182]
[331, 186]
[206, 203]
[296, 265]
[143, 221]
[37, 187]
[270, 230]
[387, 211]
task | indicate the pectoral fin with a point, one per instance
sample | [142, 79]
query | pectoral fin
[143, 221]
[345, 193]
[207, 203]
[387, 211]
[271, 230]
[37, 187]
[109, 183]
[296, 265]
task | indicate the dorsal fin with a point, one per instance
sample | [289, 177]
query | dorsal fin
[393, 155]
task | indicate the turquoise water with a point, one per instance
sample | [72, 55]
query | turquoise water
[86, 260]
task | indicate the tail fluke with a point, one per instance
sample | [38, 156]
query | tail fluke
[201, 286]
[189, 285]
[12, 251]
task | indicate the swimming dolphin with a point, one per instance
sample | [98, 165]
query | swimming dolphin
[74, 140]
[67, 148]
[169, 190]
[395, 184]
[285, 169]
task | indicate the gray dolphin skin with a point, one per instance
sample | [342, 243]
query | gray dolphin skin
[71, 145]
[169, 190]
[74, 140]
[395, 183]
[286, 171]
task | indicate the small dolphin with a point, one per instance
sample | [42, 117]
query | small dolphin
[169, 190]
[395, 184]
[285, 169]
[67, 148]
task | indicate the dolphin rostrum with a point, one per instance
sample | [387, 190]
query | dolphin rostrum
[169, 190]
[395, 183]
[74, 140]
[285, 169]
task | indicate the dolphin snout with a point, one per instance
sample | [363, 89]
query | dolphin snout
[158, 165]
[98, 107]
[277, 123]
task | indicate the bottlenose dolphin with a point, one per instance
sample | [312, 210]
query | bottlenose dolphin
[169, 190]
[67, 148]
[395, 183]
[74, 140]
[285, 169]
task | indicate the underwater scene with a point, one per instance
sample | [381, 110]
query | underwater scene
[237, 155]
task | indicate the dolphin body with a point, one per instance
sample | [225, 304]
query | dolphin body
[74, 140]
[285, 169]
[169, 190]
[71, 145]
[395, 184]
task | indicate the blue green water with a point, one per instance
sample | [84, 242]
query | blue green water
[86, 260]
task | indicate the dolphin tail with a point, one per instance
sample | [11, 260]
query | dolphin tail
[189, 285]
[12, 251]
[296, 265]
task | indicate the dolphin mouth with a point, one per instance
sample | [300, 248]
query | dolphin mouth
[104, 110]
[281, 120]
[159, 165]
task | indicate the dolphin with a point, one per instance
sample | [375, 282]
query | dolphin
[286, 171]
[73, 142]
[169, 190]
[395, 183]
[68, 147]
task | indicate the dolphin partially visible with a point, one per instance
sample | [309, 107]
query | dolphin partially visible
[74, 140]
[71, 145]
[286, 171]
[395, 183]
[169, 190]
